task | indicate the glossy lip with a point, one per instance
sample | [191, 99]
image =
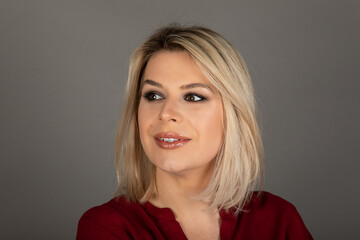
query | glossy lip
[171, 145]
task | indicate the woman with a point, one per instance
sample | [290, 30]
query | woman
[189, 153]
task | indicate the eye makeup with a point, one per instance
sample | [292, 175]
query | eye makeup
[194, 97]
[189, 96]
[153, 96]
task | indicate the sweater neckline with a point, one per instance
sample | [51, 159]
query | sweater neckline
[167, 214]
[157, 212]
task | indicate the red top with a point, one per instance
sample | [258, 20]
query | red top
[266, 217]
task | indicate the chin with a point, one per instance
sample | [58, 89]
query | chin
[170, 166]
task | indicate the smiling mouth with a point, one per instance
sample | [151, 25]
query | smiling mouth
[170, 141]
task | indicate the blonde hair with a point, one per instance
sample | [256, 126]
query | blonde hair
[239, 164]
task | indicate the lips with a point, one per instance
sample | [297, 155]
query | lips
[170, 140]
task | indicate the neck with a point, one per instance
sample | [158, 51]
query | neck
[177, 190]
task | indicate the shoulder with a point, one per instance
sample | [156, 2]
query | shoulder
[110, 220]
[265, 204]
[265, 201]
[115, 208]
[275, 215]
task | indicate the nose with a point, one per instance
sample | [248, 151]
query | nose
[170, 111]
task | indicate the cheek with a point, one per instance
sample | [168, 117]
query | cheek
[208, 124]
[144, 119]
[147, 118]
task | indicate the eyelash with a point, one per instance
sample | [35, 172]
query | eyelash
[148, 96]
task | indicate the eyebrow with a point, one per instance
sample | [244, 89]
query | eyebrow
[187, 86]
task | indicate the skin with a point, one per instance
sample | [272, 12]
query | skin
[176, 97]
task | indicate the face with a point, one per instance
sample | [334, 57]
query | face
[180, 114]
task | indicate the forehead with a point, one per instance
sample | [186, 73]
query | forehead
[175, 67]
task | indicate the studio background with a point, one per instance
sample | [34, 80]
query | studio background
[63, 68]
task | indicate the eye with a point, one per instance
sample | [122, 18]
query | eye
[152, 96]
[192, 97]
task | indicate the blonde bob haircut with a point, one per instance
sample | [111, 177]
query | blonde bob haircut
[239, 164]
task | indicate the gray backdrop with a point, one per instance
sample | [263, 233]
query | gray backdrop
[63, 66]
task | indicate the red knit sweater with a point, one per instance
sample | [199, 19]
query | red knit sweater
[266, 217]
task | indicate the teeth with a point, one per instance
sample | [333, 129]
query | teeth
[169, 139]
